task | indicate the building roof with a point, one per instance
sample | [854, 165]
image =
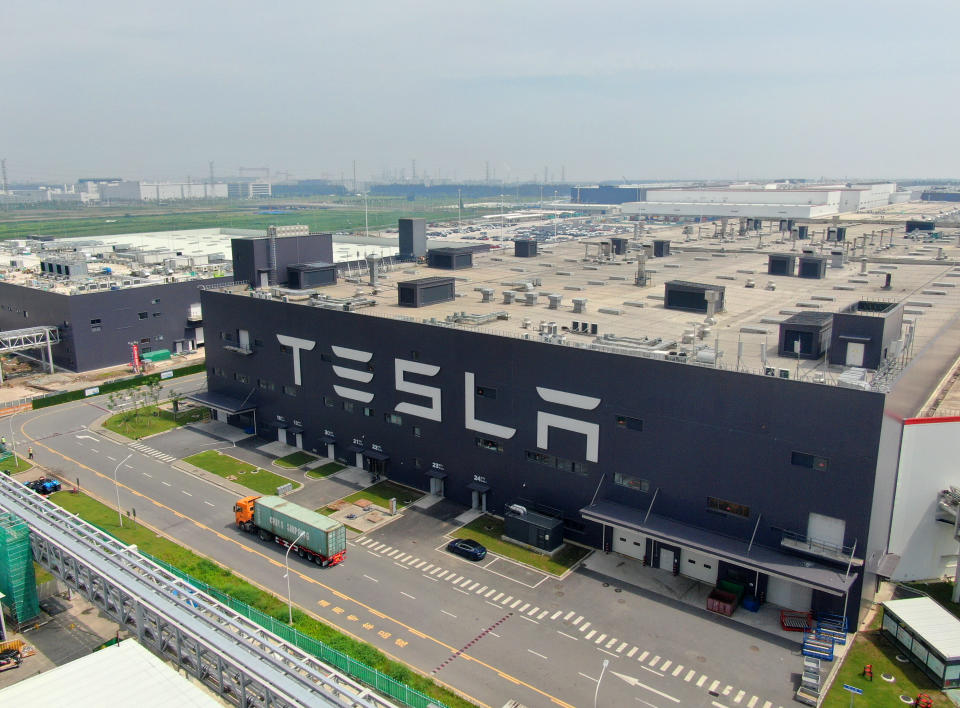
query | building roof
[937, 626]
[124, 675]
[809, 318]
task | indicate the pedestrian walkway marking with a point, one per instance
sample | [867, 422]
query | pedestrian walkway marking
[739, 696]
[507, 599]
[702, 680]
[524, 608]
[568, 615]
[676, 671]
[752, 702]
[654, 661]
[435, 570]
[455, 579]
[767, 704]
[543, 614]
[690, 674]
[498, 596]
[515, 603]
[481, 589]
[418, 565]
[384, 549]
[643, 656]
[577, 620]
[610, 643]
[490, 592]
[472, 587]
[601, 638]
[534, 611]
[427, 569]
[556, 614]
[632, 652]
[666, 665]
[466, 581]
[726, 691]
[590, 633]
[392, 553]
[713, 686]
[583, 627]
[621, 647]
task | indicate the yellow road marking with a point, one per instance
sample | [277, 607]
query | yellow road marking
[276, 563]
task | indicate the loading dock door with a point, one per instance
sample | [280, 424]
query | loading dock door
[629, 543]
[826, 529]
[855, 353]
[666, 559]
[698, 566]
[790, 596]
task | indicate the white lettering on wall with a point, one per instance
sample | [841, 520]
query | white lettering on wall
[470, 419]
[296, 344]
[431, 412]
[545, 421]
[353, 374]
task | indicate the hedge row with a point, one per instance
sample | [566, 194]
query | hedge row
[111, 386]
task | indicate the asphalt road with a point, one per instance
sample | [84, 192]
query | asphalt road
[494, 630]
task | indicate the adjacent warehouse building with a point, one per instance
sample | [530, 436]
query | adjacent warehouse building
[698, 448]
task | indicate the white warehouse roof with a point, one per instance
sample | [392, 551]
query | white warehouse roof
[937, 626]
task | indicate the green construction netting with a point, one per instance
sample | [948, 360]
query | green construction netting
[17, 580]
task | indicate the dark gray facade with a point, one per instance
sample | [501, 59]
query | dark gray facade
[413, 237]
[451, 258]
[96, 329]
[867, 326]
[425, 291]
[811, 330]
[251, 256]
[311, 275]
[490, 421]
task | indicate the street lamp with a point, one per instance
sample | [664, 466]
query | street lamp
[13, 446]
[117, 486]
[286, 565]
[606, 663]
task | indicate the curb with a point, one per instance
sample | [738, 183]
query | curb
[216, 480]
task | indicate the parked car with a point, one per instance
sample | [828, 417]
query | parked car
[467, 548]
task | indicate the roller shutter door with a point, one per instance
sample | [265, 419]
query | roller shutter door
[788, 595]
[629, 543]
[698, 566]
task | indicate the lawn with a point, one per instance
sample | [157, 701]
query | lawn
[872, 648]
[255, 478]
[325, 470]
[381, 493]
[222, 579]
[140, 423]
[488, 530]
[13, 466]
[295, 459]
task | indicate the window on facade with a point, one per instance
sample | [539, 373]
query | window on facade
[558, 463]
[632, 482]
[329, 402]
[415, 355]
[488, 444]
[268, 385]
[95, 322]
[155, 301]
[417, 463]
[326, 357]
[145, 340]
[143, 315]
[486, 391]
[628, 423]
[348, 406]
[727, 507]
[393, 418]
[242, 378]
[290, 390]
[368, 411]
[95, 328]
[157, 314]
[417, 431]
[284, 349]
[805, 459]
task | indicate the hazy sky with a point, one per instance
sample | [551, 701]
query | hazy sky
[670, 89]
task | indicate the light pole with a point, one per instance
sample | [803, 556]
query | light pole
[117, 486]
[606, 663]
[286, 565]
[13, 446]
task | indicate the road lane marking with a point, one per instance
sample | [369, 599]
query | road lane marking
[401, 565]
[524, 617]
[112, 459]
[491, 604]
[567, 635]
[429, 578]
[166, 483]
[608, 652]
[93, 449]
[449, 613]
[369, 578]
[587, 677]
[184, 491]
[144, 473]
[463, 591]
[373, 554]
[647, 668]
[209, 503]
[536, 653]
[272, 561]
[494, 634]
[407, 595]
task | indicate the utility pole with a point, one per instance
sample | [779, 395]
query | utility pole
[354, 175]
[487, 178]
[544, 174]
[3, 174]
[211, 179]
[413, 169]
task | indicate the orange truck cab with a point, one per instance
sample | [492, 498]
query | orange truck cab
[243, 512]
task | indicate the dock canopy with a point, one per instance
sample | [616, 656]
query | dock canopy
[223, 402]
[758, 558]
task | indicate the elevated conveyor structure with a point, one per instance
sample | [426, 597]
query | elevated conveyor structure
[18, 340]
[233, 656]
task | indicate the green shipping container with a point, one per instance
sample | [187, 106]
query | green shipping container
[286, 519]
[159, 355]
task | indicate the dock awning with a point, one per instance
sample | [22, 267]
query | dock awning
[327, 439]
[478, 487]
[223, 402]
[374, 455]
[733, 550]
[354, 448]
[294, 429]
[436, 474]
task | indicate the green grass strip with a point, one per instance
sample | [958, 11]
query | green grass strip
[250, 476]
[142, 422]
[488, 530]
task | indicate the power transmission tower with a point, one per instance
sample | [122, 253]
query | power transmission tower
[211, 179]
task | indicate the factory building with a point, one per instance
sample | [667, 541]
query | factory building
[705, 451]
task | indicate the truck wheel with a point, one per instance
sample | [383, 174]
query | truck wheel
[318, 560]
[300, 552]
[264, 536]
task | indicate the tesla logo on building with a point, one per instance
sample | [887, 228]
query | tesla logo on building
[433, 394]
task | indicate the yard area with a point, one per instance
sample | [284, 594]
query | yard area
[871, 648]
[255, 478]
[325, 470]
[381, 493]
[222, 579]
[13, 466]
[295, 459]
[140, 423]
[488, 530]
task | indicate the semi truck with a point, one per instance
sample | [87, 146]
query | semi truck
[311, 535]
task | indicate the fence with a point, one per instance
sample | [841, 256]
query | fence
[119, 385]
[371, 677]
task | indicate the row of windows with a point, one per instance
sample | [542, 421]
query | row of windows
[728, 507]
[558, 463]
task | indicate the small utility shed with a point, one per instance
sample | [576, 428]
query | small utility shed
[452, 258]
[425, 291]
[806, 335]
[928, 634]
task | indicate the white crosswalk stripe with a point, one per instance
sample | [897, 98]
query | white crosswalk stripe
[753, 701]
[702, 680]
[600, 638]
[621, 647]
[568, 615]
[666, 665]
[690, 674]
[643, 656]
[632, 652]
[678, 669]
[739, 696]
[524, 608]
